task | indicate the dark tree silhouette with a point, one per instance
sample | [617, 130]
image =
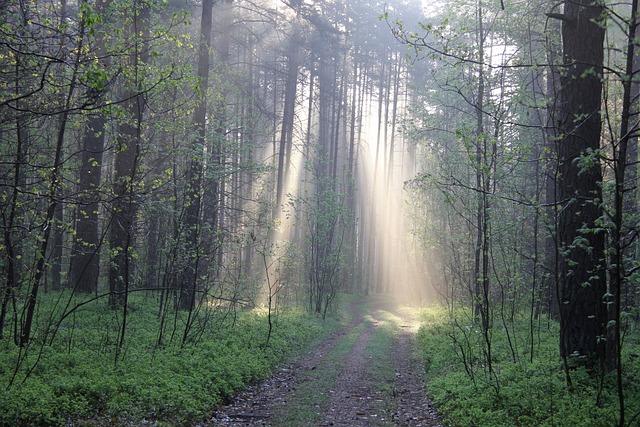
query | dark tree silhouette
[582, 274]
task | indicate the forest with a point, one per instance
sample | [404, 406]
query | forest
[193, 192]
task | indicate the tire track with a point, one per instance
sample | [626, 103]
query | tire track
[260, 403]
[356, 398]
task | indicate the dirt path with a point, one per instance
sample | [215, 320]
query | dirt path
[412, 406]
[354, 401]
[335, 384]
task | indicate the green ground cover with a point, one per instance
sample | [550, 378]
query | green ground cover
[522, 390]
[77, 378]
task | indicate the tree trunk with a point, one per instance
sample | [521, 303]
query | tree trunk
[188, 285]
[127, 163]
[54, 183]
[58, 222]
[483, 180]
[617, 274]
[84, 269]
[286, 132]
[582, 278]
[550, 170]
[11, 256]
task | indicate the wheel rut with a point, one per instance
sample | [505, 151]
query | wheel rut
[354, 401]
[355, 397]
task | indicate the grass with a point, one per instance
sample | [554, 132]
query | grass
[380, 349]
[77, 378]
[523, 390]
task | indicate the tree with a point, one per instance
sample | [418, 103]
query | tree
[54, 181]
[622, 230]
[128, 155]
[582, 269]
[192, 220]
[84, 269]
[290, 94]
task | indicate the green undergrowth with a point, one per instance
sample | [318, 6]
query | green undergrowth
[522, 390]
[76, 379]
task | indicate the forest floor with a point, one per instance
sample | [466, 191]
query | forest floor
[356, 377]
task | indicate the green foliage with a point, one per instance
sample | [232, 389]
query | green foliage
[76, 378]
[327, 213]
[520, 393]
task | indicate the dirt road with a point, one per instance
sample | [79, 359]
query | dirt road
[364, 375]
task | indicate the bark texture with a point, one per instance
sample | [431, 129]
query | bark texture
[582, 281]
